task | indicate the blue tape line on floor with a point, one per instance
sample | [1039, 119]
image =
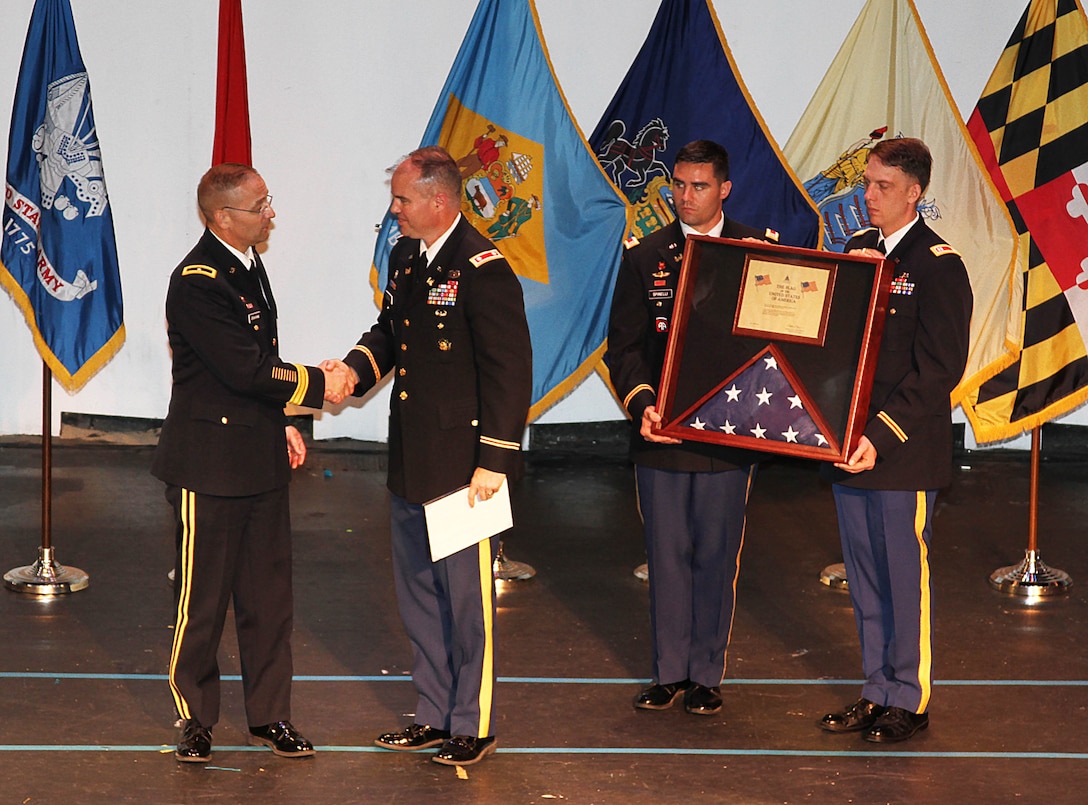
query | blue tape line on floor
[547, 750]
[545, 680]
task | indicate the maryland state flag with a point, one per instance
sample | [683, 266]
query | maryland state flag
[684, 86]
[1031, 128]
[885, 82]
[58, 258]
[532, 186]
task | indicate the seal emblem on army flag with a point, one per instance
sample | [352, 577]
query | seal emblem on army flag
[502, 176]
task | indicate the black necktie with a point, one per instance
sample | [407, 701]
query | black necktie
[257, 271]
[880, 246]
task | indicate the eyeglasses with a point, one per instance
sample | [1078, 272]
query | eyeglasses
[266, 205]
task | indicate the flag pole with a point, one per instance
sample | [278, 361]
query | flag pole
[1032, 577]
[45, 576]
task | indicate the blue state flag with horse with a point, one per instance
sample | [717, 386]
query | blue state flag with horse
[532, 186]
[58, 257]
[684, 85]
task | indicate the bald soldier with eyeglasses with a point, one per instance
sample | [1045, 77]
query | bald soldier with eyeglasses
[226, 453]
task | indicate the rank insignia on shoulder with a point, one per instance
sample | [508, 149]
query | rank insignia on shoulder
[485, 257]
[942, 249]
[771, 235]
[203, 271]
[630, 242]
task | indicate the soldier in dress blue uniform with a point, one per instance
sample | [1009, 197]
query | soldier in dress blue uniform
[452, 329]
[226, 454]
[691, 495]
[885, 492]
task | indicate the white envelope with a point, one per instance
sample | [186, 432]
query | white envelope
[452, 525]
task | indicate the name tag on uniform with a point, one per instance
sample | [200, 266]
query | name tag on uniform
[661, 293]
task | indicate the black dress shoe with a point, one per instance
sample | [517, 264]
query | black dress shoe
[660, 697]
[283, 739]
[464, 750]
[896, 724]
[411, 738]
[195, 744]
[861, 715]
[703, 701]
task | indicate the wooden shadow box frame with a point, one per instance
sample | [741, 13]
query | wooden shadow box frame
[773, 348]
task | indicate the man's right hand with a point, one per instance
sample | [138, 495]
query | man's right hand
[651, 422]
[340, 380]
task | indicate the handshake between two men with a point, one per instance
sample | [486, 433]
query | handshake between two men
[340, 380]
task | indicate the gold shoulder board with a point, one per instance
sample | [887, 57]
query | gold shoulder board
[485, 257]
[204, 271]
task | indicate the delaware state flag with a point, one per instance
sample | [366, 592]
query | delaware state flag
[58, 258]
[533, 187]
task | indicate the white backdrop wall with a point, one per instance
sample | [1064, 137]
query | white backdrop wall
[338, 91]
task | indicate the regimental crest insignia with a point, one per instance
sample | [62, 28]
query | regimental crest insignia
[503, 180]
[839, 193]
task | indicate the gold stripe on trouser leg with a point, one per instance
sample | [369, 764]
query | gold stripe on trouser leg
[736, 571]
[487, 675]
[925, 620]
[185, 589]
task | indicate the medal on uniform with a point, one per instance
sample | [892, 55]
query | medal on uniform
[444, 294]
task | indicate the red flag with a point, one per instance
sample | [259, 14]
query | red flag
[232, 143]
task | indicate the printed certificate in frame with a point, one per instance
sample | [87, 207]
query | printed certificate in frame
[773, 348]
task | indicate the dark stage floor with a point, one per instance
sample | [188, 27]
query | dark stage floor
[85, 715]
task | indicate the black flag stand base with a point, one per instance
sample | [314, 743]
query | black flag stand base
[508, 570]
[834, 576]
[46, 577]
[1032, 578]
